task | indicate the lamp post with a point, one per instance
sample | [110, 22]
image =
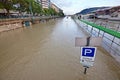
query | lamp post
[31, 12]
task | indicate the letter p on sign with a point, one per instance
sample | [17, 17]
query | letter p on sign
[88, 51]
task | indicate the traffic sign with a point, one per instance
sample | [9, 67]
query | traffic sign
[88, 51]
[88, 55]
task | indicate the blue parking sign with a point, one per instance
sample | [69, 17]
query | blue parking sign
[88, 51]
[87, 55]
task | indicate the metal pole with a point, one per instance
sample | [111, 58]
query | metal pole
[88, 41]
[99, 30]
[85, 70]
[30, 7]
[105, 27]
[87, 44]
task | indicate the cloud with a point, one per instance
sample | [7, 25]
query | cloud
[68, 6]
[74, 6]
[62, 3]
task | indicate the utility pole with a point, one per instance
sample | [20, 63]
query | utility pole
[31, 12]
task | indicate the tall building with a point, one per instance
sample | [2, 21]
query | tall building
[45, 3]
[57, 9]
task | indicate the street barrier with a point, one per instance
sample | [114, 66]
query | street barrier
[109, 31]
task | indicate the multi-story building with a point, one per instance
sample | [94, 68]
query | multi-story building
[57, 9]
[48, 4]
[112, 11]
[45, 3]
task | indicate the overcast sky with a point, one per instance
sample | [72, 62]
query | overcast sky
[74, 6]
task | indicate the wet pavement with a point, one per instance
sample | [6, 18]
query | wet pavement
[47, 51]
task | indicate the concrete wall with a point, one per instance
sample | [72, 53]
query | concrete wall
[6, 25]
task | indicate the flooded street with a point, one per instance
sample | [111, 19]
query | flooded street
[47, 51]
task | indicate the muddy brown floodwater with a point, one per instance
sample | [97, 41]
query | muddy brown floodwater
[47, 51]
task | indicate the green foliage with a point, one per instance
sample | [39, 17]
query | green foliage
[1, 6]
[36, 8]
[22, 5]
[46, 12]
[6, 4]
[61, 14]
[50, 12]
[29, 6]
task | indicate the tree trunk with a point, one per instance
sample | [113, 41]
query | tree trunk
[8, 13]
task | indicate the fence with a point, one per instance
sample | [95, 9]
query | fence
[108, 30]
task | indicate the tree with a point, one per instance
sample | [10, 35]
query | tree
[36, 8]
[7, 4]
[61, 14]
[22, 5]
[49, 12]
[52, 11]
[46, 11]
[30, 6]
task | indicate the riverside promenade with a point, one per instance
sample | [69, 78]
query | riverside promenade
[108, 30]
[15, 23]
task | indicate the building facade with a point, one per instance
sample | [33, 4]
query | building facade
[112, 11]
[45, 4]
[57, 9]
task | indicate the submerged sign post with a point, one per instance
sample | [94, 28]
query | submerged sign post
[88, 52]
[87, 56]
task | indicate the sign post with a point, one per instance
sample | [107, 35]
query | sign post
[87, 56]
[88, 52]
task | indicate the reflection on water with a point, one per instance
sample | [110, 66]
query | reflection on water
[45, 51]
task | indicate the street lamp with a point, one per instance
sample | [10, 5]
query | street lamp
[31, 12]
